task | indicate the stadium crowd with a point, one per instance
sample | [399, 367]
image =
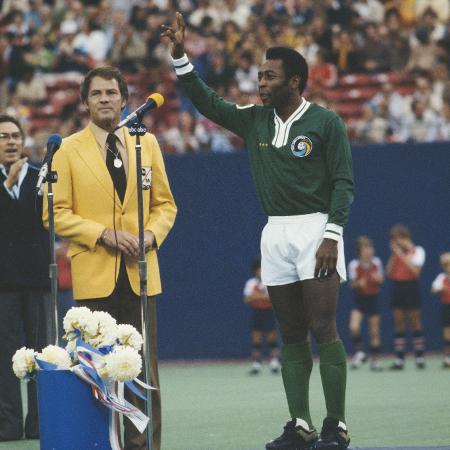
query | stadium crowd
[383, 65]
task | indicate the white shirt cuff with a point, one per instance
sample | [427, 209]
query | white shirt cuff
[333, 231]
[182, 65]
[9, 191]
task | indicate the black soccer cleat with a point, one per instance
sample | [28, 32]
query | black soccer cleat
[296, 436]
[334, 435]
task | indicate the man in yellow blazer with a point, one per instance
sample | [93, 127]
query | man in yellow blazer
[95, 207]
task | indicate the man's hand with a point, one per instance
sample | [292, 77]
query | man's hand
[125, 242]
[149, 240]
[326, 258]
[14, 171]
[176, 36]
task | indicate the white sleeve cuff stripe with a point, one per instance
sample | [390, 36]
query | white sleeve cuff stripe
[185, 69]
[331, 235]
[333, 227]
[180, 61]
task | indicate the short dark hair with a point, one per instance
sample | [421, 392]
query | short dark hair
[6, 118]
[363, 241]
[400, 230]
[108, 73]
[293, 63]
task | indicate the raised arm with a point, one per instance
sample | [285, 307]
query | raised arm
[237, 119]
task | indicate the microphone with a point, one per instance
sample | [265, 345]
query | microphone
[153, 101]
[53, 144]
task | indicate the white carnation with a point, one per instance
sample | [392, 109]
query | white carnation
[82, 319]
[23, 362]
[128, 335]
[107, 330]
[56, 355]
[123, 364]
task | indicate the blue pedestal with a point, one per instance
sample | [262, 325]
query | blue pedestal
[70, 418]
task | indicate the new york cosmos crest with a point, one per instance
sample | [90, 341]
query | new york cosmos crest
[301, 146]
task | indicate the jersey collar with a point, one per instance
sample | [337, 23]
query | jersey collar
[282, 129]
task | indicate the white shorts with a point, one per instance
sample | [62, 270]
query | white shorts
[288, 248]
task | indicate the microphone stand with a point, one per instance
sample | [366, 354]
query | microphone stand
[138, 129]
[52, 177]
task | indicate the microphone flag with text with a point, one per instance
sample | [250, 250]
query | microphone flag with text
[53, 144]
[153, 101]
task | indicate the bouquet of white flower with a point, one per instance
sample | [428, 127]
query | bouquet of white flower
[118, 360]
[102, 354]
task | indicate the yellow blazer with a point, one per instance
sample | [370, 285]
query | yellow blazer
[83, 207]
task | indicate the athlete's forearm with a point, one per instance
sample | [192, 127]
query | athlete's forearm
[206, 100]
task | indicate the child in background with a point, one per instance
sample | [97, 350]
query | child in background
[404, 268]
[441, 286]
[366, 277]
[263, 321]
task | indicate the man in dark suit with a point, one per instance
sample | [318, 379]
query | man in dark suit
[24, 281]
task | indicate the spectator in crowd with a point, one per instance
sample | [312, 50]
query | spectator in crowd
[374, 127]
[441, 287]
[374, 53]
[15, 57]
[181, 136]
[423, 52]
[237, 11]
[206, 8]
[443, 133]
[338, 12]
[129, 49]
[68, 57]
[391, 105]
[302, 12]
[321, 32]
[404, 268]
[439, 77]
[17, 25]
[92, 41]
[308, 48]
[429, 22]
[220, 73]
[366, 277]
[421, 124]
[31, 89]
[322, 74]
[263, 325]
[405, 9]
[397, 41]
[39, 55]
[344, 54]
[24, 281]
[246, 75]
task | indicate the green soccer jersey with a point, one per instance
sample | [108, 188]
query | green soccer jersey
[299, 166]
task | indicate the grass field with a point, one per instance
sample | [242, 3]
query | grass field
[218, 406]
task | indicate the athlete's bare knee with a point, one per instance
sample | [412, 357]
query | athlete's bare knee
[293, 336]
[324, 328]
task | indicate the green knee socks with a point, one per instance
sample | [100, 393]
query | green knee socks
[333, 371]
[296, 369]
